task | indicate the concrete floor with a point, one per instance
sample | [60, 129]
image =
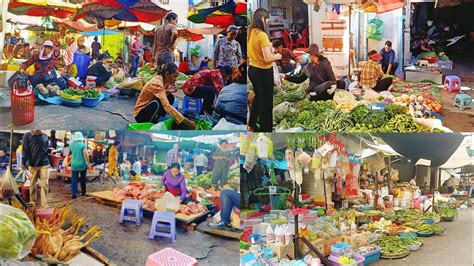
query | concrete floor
[129, 244]
[455, 248]
[115, 113]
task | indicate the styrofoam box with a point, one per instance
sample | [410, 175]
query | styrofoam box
[332, 32]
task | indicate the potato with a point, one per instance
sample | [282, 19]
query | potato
[44, 91]
[50, 87]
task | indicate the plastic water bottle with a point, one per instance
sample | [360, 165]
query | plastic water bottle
[270, 234]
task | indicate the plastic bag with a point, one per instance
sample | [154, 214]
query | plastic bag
[370, 95]
[374, 27]
[280, 110]
[168, 203]
[342, 96]
[223, 124]
[304, 158]
[276, 76]
[8, 187]
[17, 233]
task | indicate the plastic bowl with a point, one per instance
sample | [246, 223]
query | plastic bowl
[70, 103]
[415, 247]
[407, 235]
[90, 102]
[425, 234]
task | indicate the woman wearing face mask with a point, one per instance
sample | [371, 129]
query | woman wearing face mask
[44, 64]
[156, 98]
[261, 72]
[174, 182]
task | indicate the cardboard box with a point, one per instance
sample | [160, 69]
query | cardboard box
[330, 241]
[279, 250]
[356, 240]
[333, 44]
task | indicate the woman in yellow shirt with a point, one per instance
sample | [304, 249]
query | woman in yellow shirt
[113, 159]
[261, 58]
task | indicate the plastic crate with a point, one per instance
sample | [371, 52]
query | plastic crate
[252, 222]
[373, 256]
[340, 249]
[358, 258]
[445, 64]
[170, 257]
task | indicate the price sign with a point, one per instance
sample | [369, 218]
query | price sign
[272, 189]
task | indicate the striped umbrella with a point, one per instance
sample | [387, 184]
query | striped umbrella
[42, 8]
[123, 10]
[223, 15]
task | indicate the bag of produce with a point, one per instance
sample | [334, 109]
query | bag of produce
[8, 187]
[276, 76]
[17, 233]
[370, 95]
[280, 111]
[167, 203]
[342, 96]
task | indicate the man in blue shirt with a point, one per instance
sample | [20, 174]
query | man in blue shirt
[388, 59]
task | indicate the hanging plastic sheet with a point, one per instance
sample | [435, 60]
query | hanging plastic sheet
[388, 5]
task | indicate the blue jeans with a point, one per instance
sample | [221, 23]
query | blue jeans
[199, 170]
[74, 177]
[229, 200]
[135, 63]
[164, 58]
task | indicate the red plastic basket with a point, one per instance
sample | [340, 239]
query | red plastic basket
[23, 105]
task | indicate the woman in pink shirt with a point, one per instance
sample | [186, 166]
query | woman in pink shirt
[136, 50]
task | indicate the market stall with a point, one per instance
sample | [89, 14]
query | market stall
[59, 232]
[339, 199]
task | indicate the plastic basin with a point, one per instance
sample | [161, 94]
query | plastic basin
[140, 126]
[90, 102]
[70, 103]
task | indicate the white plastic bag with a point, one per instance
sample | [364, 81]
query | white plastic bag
[223, 124]
[8, 187]
[276, 76]
[167, 203]
[17, 233]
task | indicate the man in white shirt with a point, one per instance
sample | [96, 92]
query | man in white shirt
[200, 162]
[137, 168]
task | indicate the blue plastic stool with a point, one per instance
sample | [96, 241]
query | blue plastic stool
[191, 105]
[462, 101]
[452, 83]
[131, 211]
[163, 220]
[167, 116]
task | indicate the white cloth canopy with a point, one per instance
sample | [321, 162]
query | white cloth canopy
[460, 157]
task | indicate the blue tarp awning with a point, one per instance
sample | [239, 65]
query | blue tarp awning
[101, 32]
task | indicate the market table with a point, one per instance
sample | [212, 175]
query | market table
[421, 73]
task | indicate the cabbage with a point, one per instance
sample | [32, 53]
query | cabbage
[17, 233]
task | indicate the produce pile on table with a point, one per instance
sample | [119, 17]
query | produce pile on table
[56, 242]
[203, 181]
[393, 245]
[293, 111]
[192, 208]
[182, 78]
[139, 191]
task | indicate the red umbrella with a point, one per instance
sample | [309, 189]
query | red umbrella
[123, 10]
[42, 8]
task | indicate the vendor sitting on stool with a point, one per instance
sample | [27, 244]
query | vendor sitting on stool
[156, 98]
[372, 74]
[389, 66]
[98, 70]
[206, 84]
[174, 182]
[322, 81]
[45, 72]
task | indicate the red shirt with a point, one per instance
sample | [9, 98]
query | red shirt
[183, 67]
[204, 77]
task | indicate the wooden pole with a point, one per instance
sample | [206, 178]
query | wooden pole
[325, 193]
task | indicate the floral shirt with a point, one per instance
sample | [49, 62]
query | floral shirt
[227, 53]
[202, 78]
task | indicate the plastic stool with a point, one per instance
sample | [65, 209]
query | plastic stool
[452, 83]
[170, 257]
[191, 105]
[462, 101]
[165, 220]
[131, 211]
[44, 214]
